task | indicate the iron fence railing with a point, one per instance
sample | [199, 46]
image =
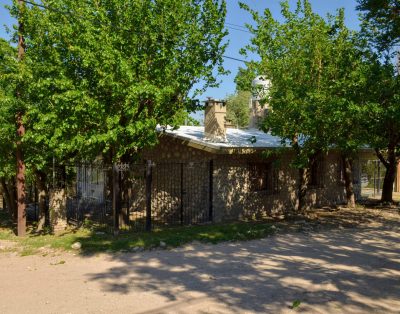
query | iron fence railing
[135, 197]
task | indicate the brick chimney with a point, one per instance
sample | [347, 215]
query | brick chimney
[214, 120]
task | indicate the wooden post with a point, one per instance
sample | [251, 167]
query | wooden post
[21, 206]
[379, 177]
[398, 172]
[182, 195]
[374, 177]
[149, 177]
[116, 194]
[211, 191]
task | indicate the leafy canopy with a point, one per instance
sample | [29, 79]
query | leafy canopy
[381, 22]
[8, 109]
[104, 73]
[317, 74]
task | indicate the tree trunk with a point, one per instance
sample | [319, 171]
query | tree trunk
[302, 189]
[390, 176]
[44, 218]
[348, 180]
[390, 164]
[9, 197]
[20, 177]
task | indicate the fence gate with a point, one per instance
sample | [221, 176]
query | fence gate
[177, 194]
[180, 193]
[88, 194]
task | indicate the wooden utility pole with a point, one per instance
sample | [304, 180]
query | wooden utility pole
[21, 206]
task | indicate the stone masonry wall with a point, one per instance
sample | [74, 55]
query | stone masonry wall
[233, 197]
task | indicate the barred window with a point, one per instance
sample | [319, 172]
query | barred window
[317, 173]
[264, 177]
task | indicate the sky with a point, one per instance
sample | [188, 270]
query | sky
[238, 37]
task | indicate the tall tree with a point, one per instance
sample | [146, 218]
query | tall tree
[102, 74]
[8, 106]
[105, 73]
[381, 28]
[316, 72]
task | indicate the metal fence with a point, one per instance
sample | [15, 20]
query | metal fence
[372, 174]
[135, 197]
[87, 194]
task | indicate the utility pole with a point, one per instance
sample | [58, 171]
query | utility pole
[21, 206]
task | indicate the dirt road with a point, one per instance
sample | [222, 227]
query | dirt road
[354, 270]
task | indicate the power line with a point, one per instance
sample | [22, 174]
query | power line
[236, 59]
[238, 29]
[236, 25]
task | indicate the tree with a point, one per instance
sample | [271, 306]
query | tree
[381, 28]
[244, 78]
[381, 22]
[100, 75]
[8, 66]
[105, 73]
[237, 107]
[316, 73]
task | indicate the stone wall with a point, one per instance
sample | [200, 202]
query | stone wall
[58, 210]
[233, 196]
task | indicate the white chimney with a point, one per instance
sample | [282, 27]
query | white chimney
[214, 120]
[260, 86]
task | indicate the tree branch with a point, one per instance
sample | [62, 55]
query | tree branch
[381, 158]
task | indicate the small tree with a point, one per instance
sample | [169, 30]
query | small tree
[237, 108]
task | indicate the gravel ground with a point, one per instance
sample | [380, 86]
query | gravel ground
[336, 269]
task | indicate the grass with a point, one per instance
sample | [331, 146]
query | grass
[94, 241]
[6, 226]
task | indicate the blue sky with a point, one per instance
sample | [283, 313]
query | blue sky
[238, 38]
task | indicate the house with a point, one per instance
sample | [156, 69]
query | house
[199, 174]
[236, 173]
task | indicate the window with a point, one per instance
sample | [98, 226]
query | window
[264, 177]
[317, 172]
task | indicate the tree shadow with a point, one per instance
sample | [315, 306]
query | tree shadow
[350, 269]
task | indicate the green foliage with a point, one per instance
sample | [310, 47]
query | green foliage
[317, 76]
[295, 304]
[244, 77]
[103, 74]
[381, 22]
[237, 108]
[8, 109]
[184, 118]
[381, 29]
[383, 106]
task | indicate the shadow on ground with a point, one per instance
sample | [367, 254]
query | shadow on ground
[352, 270]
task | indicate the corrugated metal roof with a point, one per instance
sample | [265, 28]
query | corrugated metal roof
[236, 138]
